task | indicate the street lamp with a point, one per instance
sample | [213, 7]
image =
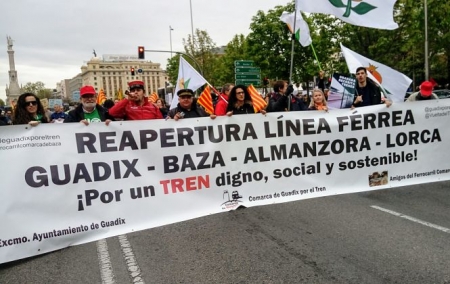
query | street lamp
[170, 33]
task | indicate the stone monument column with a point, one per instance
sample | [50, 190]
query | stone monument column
[13, 91]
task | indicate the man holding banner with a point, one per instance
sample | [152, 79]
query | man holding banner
[88, 111]
[137, 106]
[186, 107]
[367, 92]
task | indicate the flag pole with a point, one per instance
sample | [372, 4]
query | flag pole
[292, 47]
[292, 51]
[315, 55]
[425, 9]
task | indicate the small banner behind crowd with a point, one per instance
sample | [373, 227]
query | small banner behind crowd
[342, 92]
[68, 184]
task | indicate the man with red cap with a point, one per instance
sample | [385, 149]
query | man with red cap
[136, 106]
[425, 93]
[88, 110]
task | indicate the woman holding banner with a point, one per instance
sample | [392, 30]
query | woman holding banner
[29, 110]
[240, 101]
[318, 101]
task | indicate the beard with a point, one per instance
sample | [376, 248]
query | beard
[89, 105]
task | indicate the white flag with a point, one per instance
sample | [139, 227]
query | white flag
[301, 27]
[188, 78]
[393, 82]
[377, 14]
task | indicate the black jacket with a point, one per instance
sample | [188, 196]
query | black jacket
[374, 94]
[77, 114]
[277, 102]
[246, 108]
[195, 111]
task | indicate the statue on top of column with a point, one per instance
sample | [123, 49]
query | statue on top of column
[10, 42]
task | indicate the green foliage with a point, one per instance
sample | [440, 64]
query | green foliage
[200, 53]
[2, 102]
[172, 68]
[236, 49]
[269, 44]
[202, 49]
[37, 88]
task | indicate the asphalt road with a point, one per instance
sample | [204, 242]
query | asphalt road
[397, 235]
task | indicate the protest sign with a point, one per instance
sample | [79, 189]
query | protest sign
[64, 187]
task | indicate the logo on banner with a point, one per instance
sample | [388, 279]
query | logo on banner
[378, 178]
[233, 202]
[360, 9]
[373, 70]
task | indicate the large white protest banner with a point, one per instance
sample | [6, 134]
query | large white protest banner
[69, 184]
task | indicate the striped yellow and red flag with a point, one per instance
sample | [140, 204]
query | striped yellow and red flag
[205, 100]
[258, 102]
[153, 98]
[101, 98]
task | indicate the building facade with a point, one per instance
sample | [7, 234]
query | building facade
[112, 73]
[73, 88]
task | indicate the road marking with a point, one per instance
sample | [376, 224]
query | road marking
[132, 265]
[431, 225]
[106, 270]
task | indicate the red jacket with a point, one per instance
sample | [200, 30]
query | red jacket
[129, 110]
[221, 106]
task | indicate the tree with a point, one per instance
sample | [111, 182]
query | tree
[270, 46]
[403, 48]
[2, 102]
[236, 49]
[37, 88]
[172, 68]
[202, 48]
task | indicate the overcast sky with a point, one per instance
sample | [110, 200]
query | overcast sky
[53, 38]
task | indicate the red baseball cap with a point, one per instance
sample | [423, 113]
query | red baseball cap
[87, 90]
[426, 88]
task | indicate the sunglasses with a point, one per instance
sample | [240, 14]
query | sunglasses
[31, 103]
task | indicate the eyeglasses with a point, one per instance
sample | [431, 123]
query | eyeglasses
[185, 97]
[133, 89]
[31, 103]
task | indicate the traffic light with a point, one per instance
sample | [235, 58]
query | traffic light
[265, 81]
[141, 51]
[132, 71]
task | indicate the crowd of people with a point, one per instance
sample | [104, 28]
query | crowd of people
[233, 100]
